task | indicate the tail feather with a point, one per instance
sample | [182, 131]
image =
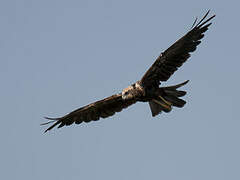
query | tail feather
[155, 108]
[176, 86]
[175, 101]
[175, 93]
[168, 96]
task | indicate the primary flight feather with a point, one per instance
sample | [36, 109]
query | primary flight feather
[147, 89]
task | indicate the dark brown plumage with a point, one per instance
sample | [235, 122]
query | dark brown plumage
[147, 89]
[171, 59]
[92, 112]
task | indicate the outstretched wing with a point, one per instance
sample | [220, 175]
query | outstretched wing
[92, 112]
[171, 59]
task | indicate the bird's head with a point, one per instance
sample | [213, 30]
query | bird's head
[128, 93]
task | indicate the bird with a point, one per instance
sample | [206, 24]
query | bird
[147, 89]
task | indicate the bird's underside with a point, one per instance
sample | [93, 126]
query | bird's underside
[147, 89]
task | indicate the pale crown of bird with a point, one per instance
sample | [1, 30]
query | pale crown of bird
[133, 91]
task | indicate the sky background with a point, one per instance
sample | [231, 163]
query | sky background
[57, 56]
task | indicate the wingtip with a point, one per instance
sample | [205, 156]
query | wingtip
[202, 22]
[209, 10]
[43, 124]
[52, 120]
[48, 129]
[195, 21]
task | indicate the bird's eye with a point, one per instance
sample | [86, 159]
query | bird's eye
[126, 93]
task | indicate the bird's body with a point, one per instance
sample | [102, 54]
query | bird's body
[148, 88]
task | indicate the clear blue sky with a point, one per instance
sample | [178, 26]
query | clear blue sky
[59, 55]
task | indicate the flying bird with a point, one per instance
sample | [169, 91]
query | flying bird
[147, 89]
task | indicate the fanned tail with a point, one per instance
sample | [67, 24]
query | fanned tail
[168, 96]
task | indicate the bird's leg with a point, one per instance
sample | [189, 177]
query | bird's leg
[162, 104]
[164, 100]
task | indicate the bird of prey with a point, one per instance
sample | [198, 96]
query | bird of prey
[147, 89]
